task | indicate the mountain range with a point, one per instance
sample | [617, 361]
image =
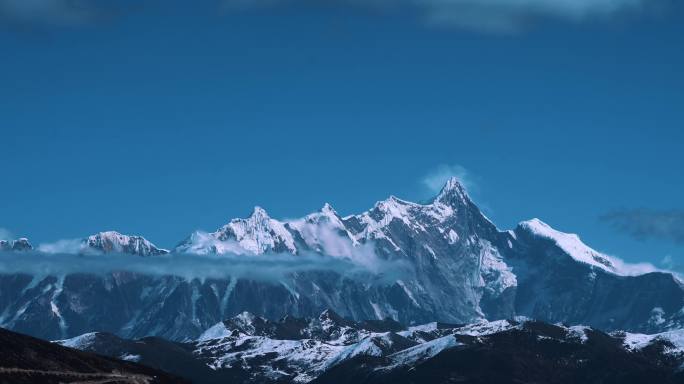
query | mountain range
[330, 349]
[461, 269]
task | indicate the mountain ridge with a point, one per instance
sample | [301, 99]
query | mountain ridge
[463, 269]
[329, 348]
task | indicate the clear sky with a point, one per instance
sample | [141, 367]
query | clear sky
[155, 118]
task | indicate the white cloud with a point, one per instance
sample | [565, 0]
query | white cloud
[435, 180]
[633, 269]
[482, 15]
[487, 15]
[512, 15]
[72, 246]
[266, 267]
[50, 12]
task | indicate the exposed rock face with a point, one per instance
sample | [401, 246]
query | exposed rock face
[462, 269]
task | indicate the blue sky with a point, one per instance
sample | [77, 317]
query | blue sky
[162, 119]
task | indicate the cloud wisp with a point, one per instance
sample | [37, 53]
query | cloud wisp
[435, 179]
[498, 16]
[513, 15]
[645, 224]
[30, 14]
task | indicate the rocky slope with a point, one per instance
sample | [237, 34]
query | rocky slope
[329, 348]
[24, 359]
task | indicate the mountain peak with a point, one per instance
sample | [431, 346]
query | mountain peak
[452, 190]
[255, 234]
[113, 241]
[259, 213]
[328, 209]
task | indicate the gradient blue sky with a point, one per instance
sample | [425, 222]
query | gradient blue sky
[159, 120]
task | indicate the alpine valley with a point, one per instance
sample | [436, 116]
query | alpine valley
[473, 305]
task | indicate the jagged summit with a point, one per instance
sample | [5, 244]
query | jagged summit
[112, 241]
[328, 209]
[452, 193]
[259, 214]
[256, 234]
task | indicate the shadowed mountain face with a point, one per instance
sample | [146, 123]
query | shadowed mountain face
[461, 269]
[535, 353]
[24, 359]
[331, 349]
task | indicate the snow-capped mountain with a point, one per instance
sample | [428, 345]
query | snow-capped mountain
[21, 244]
[111, 241]
[248, 348]
[462, 269]
[256, 234]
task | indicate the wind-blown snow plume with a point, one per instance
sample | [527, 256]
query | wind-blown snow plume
[438, 177]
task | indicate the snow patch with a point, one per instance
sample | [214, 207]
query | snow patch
[424, 351]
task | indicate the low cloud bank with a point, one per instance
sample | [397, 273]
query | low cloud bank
[267, 267]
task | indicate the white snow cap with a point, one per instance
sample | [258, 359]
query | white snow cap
[453, 187]
[571, 244]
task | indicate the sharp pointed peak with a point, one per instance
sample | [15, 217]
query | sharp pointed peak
[327, 208]
[453, 184]
[108, 234]
[452, 191]
[259, 212]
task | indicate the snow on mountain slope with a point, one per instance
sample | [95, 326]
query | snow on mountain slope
[217, 331]
[571, 244]
[243, 348]
[424, 351]
[639, 341]
[112, 241]
[324, 232]
[255, 235]
[79, 342]
[374, 344]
